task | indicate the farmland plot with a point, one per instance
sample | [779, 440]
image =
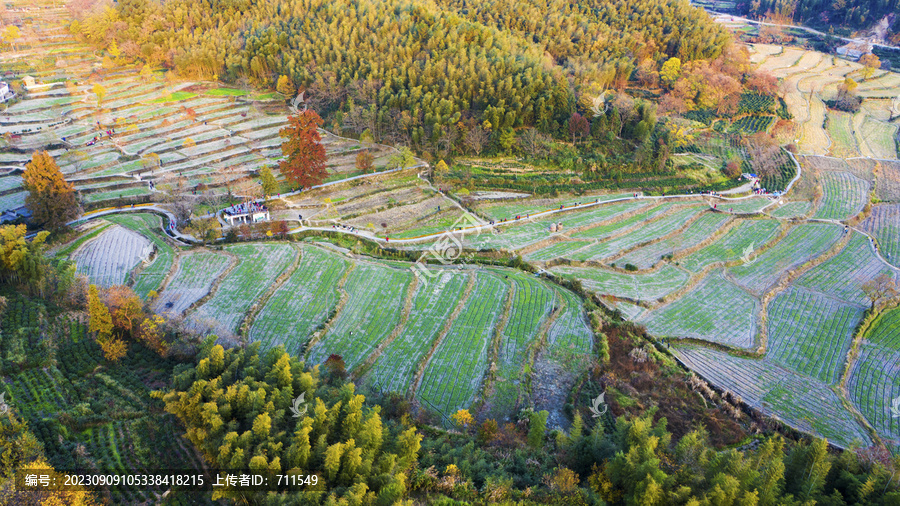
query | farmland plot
[884, 225]
[375, 295]
[792, 210]
[259, 265]
[811, 333]
[875, 377]
[108, 259]
[742, 206]
[888, 187]
[569, 334]
[843, 142]
[844, 275]
[195, 276]
[845, 196]
[150, 277]
[802, 243]
[878, 138]
[716, 311]
[433, 304]
[705, 226]
[454, 373]
[645, 233]
[509, 209]
[610, 229]
[752, 234]
[634, 286]
[302, 303]
[532, 304]
[560, 249]
[801, 402]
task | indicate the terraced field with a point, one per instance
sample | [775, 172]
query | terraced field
[109, 258]
[874, 380]
[193, 280]
[845, 196]
[716, 311]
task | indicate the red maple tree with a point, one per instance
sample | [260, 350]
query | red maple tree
[305, 162]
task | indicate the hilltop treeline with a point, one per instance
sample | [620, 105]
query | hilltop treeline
[852, 14]
[419, 66]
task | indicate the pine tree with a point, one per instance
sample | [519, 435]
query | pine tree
[51, 198]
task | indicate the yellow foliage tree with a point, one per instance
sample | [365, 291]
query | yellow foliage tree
[463, 418]
[113, 348]
[100, 91]
[51, 198]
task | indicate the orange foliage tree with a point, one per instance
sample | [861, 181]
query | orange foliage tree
[305, 162]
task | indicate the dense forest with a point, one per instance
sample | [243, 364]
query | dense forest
[411, 72]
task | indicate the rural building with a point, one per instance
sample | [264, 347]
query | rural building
[5, 92]
[854, 50]
[248, 212]
[29, 81]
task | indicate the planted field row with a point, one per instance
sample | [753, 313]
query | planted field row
[801, 402]
[752, 124]
[149, 225]
[302, 303]
[434, 302]
[455, 371]
[875, 378]
[884, 225]
[802, 243]
[192, 281]
[742, 206]
[647, 287]
[715, 311]
[375, 296]
[840, 130]
[811, 333]
[532, 304]
[844, 275]
[648, 232]
[108, 259]
[607, 230]
[745, 237]
[259, 265]
[647, 256]
[845, 195]
[791, 210]
[570, 334]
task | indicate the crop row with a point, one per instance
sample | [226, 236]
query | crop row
[746, 236]
[803, 403]
[803, 242]
[110, 257]
[192, 281]
[884, 225]
[811, 333]
[302, 303]
[647, 287]
[716, 311]
[149, 225]
[875, 378]
[260, 265]
[845, 274]
[844, 196]
[454, 373]
[375, 297]
[433, 304]
[648, 232]
[705, 226]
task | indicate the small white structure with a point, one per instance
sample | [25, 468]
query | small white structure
[248, 212]
[5, 92]
[854, 50]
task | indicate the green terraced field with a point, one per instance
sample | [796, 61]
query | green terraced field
[375, 295]
[302, 303]
[454, 373]
[715, 311]
[635, 286]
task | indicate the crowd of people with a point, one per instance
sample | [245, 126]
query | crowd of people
[248, 207]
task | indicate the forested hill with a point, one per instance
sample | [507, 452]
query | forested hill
[497, 60]
[602, 41]
[852, 14]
